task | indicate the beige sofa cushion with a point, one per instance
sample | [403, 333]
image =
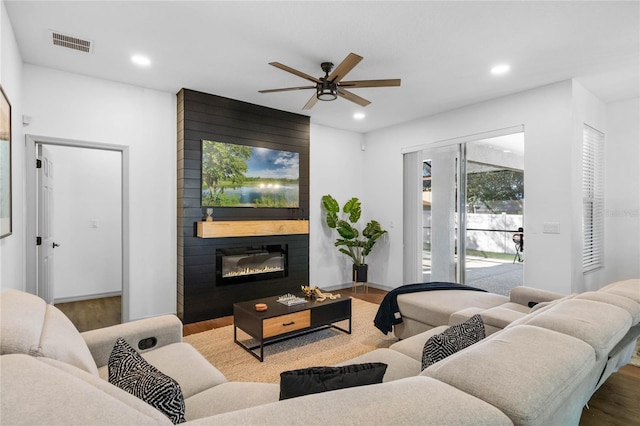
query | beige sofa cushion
[415, 401]
[413, 346]
[435, 307]
[626, 288]
[599, 324]
[614, 299]
[505, 371]
[30, 326]
[524, 295]
[166, 329]
[230, 396]
[495, 319]
[21, 319]
[399, 365]
[40, 391]
[183, 363]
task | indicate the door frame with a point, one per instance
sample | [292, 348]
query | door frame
[31, 209]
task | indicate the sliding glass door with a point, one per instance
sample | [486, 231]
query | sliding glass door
[473, 213]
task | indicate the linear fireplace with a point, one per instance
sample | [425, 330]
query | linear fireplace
[236, 265]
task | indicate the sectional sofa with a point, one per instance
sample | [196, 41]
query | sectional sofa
[539, 369]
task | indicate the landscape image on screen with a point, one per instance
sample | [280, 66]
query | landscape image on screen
[247, 176]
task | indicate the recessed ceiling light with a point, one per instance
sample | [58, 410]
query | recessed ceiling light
[506, 151]
[359, 115]
[500, 69]
[143, 61]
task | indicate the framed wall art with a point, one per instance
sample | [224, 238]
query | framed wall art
[5, 165]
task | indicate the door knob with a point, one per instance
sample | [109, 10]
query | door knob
[56, 245]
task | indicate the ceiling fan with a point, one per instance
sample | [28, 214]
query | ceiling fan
[329, 87]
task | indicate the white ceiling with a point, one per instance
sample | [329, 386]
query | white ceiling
[442, 50]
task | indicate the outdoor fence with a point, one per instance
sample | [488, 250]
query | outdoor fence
[491, 233]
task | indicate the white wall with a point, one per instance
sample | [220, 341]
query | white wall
[336, 168]
[546, 114]
[622, 191]
[12, 257]
[87, 222]
[71, 106]
[552, 117]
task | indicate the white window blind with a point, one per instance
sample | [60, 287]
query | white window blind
[592, 199]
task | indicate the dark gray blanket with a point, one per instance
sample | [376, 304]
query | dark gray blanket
[388, 313]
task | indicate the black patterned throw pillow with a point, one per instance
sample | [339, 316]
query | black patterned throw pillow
[452, 340]
[129, 371]
[310, 380]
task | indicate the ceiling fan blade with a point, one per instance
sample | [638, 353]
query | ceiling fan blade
[370, 83]
[311, 102]
[353, 97]
[285, 89]
[294, 71]
[345, 66]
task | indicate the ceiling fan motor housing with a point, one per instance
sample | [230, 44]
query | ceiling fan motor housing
[326, 90]
[326, 67]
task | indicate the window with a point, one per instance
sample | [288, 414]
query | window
[592, 199]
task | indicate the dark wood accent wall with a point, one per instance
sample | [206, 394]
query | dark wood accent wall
[204, 116]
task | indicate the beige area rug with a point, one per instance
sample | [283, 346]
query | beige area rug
[320, 348]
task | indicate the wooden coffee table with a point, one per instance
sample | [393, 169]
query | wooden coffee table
[280, 322]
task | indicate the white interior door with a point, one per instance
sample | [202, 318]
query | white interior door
[46, 244]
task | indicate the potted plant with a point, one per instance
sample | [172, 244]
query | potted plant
[355, 244]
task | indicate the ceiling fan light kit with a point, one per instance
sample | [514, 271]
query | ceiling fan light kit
[328, 93]
[329, 87]
[326, 90]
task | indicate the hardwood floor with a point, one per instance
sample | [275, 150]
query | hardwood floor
[93, 313]
[615, 403]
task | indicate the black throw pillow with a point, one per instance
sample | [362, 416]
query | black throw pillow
[129, 371]
[320, 379]
[452, 340]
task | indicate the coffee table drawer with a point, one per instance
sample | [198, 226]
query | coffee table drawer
[286, 323]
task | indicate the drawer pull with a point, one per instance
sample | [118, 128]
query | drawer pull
[284, 324]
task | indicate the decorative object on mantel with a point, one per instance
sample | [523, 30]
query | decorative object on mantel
[353, 243]
[209, 215]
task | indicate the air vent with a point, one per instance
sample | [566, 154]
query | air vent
[71, 42]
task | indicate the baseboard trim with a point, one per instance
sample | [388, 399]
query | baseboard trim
[87, 297]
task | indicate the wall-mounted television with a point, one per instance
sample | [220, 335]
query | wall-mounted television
[236, 175]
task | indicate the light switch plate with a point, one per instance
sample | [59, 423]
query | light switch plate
[551, 228]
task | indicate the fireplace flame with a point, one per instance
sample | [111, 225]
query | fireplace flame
[252, 271]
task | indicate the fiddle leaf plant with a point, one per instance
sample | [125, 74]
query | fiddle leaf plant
[353, 243]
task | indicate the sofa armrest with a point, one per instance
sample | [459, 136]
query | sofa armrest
[524, 295]
[143, 335]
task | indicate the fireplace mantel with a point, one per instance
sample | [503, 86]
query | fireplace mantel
[251, 228]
